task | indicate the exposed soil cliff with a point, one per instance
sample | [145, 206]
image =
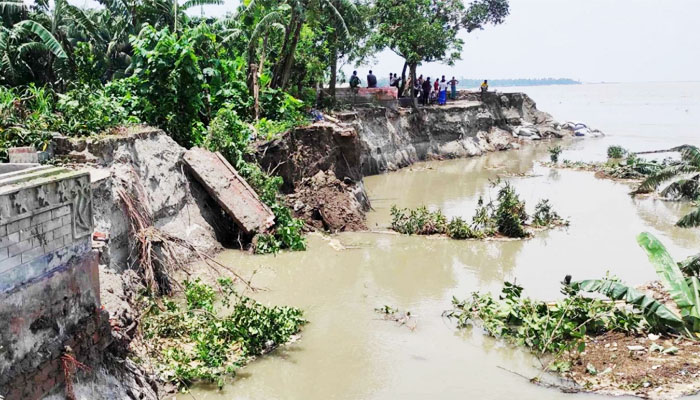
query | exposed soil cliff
[147, 163]
[370, 141]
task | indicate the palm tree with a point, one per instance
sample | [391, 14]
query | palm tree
[685, 176]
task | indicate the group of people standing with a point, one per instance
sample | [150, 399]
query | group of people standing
[429, 93]
[423, 89]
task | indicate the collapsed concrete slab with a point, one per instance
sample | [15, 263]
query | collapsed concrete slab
[230, 190]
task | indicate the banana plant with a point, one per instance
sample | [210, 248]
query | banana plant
[685, 176]
[685, 291]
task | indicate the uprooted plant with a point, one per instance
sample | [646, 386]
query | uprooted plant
[621, 164]
[202, 341]
[685, 182]
[505, 217]
[683, 289]
[157, 254]
[553, 328]
[541, 326]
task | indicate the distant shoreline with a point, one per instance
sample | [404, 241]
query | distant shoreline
[471, 83]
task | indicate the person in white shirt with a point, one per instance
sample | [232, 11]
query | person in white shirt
[442, 99]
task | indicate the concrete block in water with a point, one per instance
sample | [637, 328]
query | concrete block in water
[230, 190]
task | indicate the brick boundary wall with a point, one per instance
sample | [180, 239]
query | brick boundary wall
[49, 279]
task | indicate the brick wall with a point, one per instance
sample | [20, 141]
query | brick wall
[49, 279]
[45, 219]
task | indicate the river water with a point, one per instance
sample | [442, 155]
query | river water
[348, 352]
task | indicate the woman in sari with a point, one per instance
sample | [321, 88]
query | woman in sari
[442, 99]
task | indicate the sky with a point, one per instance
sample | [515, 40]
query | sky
[587, 40]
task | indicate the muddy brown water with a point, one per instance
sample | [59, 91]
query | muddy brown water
[348, 352]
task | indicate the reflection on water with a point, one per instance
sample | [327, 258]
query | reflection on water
[348, 352]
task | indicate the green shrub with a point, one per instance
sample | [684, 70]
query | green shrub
[419, 221]
[460, 229]
[195, 342]
[26, 118]
[616, 152]
[88, 110]
[545, 216]
[510, 214]
[554, 153]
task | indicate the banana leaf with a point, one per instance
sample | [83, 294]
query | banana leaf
[655, 313]
[686, 297]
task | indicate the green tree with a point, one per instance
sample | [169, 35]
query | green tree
[427, 30]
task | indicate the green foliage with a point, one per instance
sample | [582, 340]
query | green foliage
[683, 289]
[460, 229]
[543, 327]
[167, 73]
[685, 293]
[616, 152]
[26, 118]
[507, 217]
[231, 136]
[554, 153]
[545, 216]
[657, 315]
[88, 110]
[681, 186]
[510, 214]
[690, 266]
[420, 221]
[195, 342]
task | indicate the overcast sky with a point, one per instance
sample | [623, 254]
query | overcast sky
[588, 40]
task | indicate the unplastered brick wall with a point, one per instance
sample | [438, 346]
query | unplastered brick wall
[45, 219]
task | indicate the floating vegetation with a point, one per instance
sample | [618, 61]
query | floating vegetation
[197, 342]
[506, 217]
[393, 314]
[621, 339]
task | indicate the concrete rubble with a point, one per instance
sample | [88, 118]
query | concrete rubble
[230, 190]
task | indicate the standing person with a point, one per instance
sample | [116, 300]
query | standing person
[443, 92]
[453, 84]
[391, 79]
[435, 91]
[426, 92]
[371, 80]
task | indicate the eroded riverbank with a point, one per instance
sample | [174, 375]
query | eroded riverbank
[348, 351]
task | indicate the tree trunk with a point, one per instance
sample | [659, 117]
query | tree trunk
[256, 92]
[334, 68]
[277, 70]
[402, 88]
[414, 101]
[289, 61]
[252, 67]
